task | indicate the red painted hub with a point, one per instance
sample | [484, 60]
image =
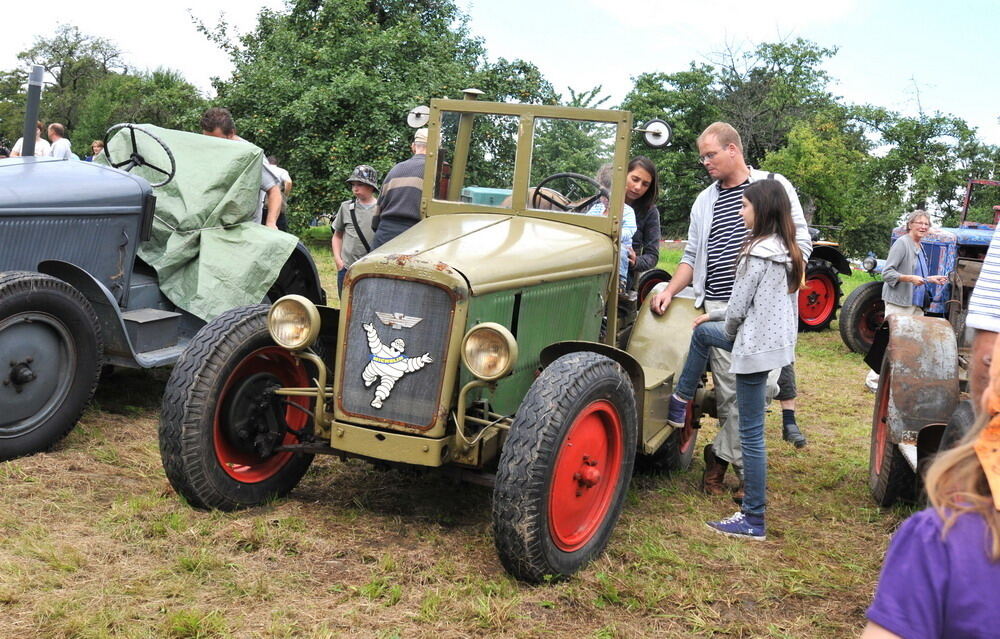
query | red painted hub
[870, 319]
[248, 467]
[817, 299]
[881, 424]
[688, 431]
[585, 475]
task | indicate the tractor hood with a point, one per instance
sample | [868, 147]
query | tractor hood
[496, 252]
[50, 186]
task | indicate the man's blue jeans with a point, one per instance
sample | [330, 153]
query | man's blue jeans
[751, 389]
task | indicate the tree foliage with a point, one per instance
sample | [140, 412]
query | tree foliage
[88, 87]
[326, 85]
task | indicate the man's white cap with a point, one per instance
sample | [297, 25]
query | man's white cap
[420, 137]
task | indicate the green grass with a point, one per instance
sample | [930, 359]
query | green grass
[96, 544]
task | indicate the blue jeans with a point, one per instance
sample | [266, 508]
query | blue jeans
[751, 389]
[340, 281]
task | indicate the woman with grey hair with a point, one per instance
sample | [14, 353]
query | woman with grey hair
[906, 274]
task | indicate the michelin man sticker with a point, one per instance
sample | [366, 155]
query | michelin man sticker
[388, 363]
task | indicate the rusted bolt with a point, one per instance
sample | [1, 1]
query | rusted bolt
[340, 432]
[579, 493]
[577, 476]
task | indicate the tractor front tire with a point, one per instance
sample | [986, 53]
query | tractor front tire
[565, 468]
[215, 405]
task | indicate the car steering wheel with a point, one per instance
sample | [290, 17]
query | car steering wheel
[573, 178]
[136, 159]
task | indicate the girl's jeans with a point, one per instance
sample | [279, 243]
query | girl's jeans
[750, 400]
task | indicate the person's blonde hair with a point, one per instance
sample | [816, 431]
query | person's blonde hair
[956, 484]
[724, 133]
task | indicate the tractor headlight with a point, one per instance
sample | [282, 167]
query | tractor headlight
[293, 322]
[869, 263]
[489, 351]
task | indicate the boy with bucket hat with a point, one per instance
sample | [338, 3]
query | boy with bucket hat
[352, 227]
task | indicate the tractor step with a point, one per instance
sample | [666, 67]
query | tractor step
[150, 329]
[910, 453]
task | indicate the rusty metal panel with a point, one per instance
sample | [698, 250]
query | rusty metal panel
[922, 360]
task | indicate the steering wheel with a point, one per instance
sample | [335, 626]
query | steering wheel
[136, 159]
[573, 179]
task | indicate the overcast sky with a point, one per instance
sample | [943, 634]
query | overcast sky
[900, 54]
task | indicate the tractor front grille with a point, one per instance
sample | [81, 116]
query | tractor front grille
[409, 390]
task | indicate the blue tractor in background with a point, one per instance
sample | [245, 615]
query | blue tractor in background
[956, 252]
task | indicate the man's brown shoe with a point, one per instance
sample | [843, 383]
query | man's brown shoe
[712, 481]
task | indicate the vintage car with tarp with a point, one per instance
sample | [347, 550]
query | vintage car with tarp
[119, 262]
[480, 342]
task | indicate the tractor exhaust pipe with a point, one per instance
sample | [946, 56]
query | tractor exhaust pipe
[31, 110]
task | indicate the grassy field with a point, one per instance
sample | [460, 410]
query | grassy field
[96, 544]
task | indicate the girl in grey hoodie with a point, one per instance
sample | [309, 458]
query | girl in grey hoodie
[759, 326]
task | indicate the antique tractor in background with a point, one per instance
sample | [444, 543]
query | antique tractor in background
[76, 294]
[819, 299]
[922, 361]
[482, 342]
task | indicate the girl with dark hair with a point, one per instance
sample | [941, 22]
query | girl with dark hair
[642, 189]
[760, 327]
[942, 570]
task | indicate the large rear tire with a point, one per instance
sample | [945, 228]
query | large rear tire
[861, 316]
[676, 453]
[220, 421]
[565, 468]
[890, 477]
[820, 298]
[50, 360]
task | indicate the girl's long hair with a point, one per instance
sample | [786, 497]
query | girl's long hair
[773, 216]
[956, 484]
[648, 199]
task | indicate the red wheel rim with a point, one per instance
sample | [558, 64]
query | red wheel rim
[881, 424]
[870, 319]
[585, 476]
[687, 432]
[817, 299]
[238, 464]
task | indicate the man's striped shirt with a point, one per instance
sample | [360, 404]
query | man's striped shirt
[724, 242]
[984, 305]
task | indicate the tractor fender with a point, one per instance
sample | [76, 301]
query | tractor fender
[832, 255]
[117, 347]
[299, 275]
[922, 358]
[552, 352]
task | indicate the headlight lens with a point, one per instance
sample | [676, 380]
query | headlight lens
[489, 351]
[293, 322]
[869, 263]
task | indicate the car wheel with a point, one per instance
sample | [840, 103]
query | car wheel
[958, 426]
[676, 453]
[220, 421]
[820, 297]
[861, 316]
[890, 477]
[565, 468]
[50, 359]
[648, 281]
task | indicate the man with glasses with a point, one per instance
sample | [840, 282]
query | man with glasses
[715, 237]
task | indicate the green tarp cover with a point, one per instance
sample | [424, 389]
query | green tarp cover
[208, 251]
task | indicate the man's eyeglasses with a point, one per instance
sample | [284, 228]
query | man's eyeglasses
[708, 157]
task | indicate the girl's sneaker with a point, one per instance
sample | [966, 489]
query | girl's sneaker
[677, 411]
[742, 525]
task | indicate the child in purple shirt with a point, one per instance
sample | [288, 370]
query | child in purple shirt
[941, 577]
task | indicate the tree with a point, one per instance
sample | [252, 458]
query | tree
[161, 97]
[74, 63]
[326, 84]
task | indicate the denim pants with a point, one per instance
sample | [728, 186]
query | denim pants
[751, 396]
[340, 281]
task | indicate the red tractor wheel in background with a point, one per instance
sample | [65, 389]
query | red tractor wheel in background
[819, 299]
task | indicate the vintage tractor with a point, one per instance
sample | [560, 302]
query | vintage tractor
[922, 362]
[957, 252]
[819, 299]
[78, 287]
[471, 343]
